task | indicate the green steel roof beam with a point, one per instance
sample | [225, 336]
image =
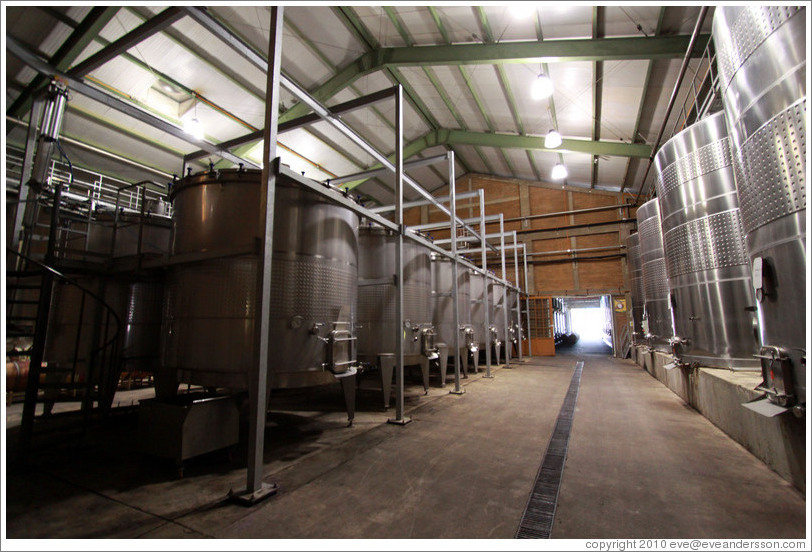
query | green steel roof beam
[487, 139]
[576, 49]
[505, 84]
[640, 111]
[74, 45]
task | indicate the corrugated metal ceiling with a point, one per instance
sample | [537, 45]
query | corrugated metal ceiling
[320, 44]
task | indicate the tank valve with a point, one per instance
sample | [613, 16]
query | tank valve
[315, 328]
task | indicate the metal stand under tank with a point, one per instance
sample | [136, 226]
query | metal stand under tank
[187, 426]
[761, 53]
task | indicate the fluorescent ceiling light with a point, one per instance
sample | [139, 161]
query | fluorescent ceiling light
[559, 172]
[552, 140]
[542, 87]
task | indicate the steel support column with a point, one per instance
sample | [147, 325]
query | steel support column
[28, 163]
[256, 489]
[527, 301]
[454, 274]
[399, 418]
[518, 296]
[485, 295]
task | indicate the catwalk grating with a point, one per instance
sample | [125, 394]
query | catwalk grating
[537, 520]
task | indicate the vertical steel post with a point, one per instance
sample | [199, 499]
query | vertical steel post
[399, 417]
[455, 274]
[518, 297]
[504, 295]
[527, 301]
[256, 489]
[485, 295]
[28, 163]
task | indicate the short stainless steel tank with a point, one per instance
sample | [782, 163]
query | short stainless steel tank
[706, 260]
[120, 238]
[761, 52]
[636, 284]
[479, 303]
[513, 318]
[657, 322]
[211, 304]
[377, 295]
[443, 303]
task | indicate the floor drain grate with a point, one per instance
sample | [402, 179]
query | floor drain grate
[537, 521]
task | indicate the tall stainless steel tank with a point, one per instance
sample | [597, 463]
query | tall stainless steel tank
[377, 295]
[761, 52]
[443, 303]
[706, 260]
[636, 285]
[657, 323]
[211, 301]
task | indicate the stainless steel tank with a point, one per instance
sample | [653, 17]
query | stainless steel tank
[636, 285]
[211, 303]
[479, 302]
[120, 238]
[761, 52]
[513, 320]
[499, 302]
[377, 296]
[443, 303]
[657, 323]
[712, 298]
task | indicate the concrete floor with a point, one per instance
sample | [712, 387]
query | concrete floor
[641, 464]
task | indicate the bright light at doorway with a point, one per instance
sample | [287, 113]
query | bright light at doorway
[588, 323]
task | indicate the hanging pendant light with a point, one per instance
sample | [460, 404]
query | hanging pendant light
[192, 125]
[542, 87]
[194, 128]
[553, 139]
[559, 172]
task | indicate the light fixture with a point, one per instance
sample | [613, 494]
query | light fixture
[523, 10]
[194, 128]
[542, 87]
[553, 139]
[192, 125]
[559, 172]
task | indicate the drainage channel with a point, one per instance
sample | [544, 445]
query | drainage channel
[538, 517]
